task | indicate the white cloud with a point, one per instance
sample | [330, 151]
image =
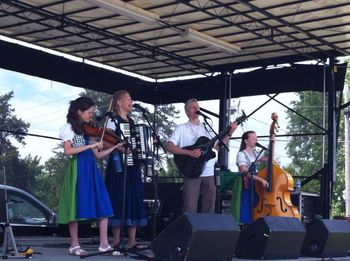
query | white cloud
[44, 105]
[41, 103]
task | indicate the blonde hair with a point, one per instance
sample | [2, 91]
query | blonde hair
[117, 96]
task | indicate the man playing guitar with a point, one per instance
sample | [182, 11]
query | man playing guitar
[187, 134]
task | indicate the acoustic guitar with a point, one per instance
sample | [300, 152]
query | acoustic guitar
[192, 167]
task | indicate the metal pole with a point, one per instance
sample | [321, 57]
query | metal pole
[347, 152]
[330, 173]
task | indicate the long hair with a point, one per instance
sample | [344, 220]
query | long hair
[82, 104]
[245, 136]
[116, 97]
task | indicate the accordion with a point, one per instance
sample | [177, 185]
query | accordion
[141, 142]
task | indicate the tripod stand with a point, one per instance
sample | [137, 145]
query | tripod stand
[8, 233]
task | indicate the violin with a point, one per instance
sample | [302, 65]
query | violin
[92, 130]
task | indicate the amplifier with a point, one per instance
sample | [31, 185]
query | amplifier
[309, 205]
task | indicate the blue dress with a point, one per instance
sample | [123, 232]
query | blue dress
[83, 193]
[135, 214]
[247, 201]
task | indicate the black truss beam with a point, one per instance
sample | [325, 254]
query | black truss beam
[137, 45]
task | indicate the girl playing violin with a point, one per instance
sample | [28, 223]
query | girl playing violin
[83, 194]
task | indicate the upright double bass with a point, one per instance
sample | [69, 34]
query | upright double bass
[274, 200]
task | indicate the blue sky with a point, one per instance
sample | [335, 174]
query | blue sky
[40, 102]
[44, 105]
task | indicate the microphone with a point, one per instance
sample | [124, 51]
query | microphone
[139, 107]
[202, 114]
[260, 146]
[101, 117]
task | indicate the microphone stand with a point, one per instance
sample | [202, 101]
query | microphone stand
[121, 247]
[8, 233]
[252, 171]
[211, 128]
[217, 167]
[154, 175]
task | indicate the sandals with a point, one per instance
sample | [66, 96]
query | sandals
[109, 251]
[77, 251]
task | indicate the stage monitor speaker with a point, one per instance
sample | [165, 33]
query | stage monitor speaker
[271, 238]
[327, 238]
[200, 237]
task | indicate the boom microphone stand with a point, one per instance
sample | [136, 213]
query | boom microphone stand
[217, 167]
[156, 145]
[252, 171]
[121, 247]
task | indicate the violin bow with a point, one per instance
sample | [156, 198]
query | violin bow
[105, 123]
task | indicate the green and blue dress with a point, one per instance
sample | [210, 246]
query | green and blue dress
[83, 194]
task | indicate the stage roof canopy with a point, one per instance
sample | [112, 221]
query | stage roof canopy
[161, 39]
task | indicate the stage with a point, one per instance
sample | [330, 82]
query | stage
[56, 249]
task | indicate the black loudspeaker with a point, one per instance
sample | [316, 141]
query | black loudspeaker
[271, 238]
[327, 238]
[201, 237]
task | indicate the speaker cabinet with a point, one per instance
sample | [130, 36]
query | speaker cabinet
[200, 237]
[327, 238]
[271, 238]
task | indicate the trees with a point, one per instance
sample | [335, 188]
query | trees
[19, 172]
[52, 177]
[9, 122]
[309, 153]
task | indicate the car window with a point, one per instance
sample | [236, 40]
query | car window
[22, 211]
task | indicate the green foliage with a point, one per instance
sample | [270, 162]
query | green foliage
[172, 171]
[9, 122]
[52, 178]
[19, 172]
[306, 152]
[347, 75]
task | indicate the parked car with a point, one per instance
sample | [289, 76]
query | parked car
[26, 214]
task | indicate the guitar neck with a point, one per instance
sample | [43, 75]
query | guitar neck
[222, 133]
[219, 136]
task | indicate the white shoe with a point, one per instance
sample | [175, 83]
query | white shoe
[109, 251]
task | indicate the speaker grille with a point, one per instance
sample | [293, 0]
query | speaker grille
[198, 237]
[327, 238]
[271, 238]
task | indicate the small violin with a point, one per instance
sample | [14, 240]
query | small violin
[92, 130]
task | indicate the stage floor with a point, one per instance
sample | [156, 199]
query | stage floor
[56, 249]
